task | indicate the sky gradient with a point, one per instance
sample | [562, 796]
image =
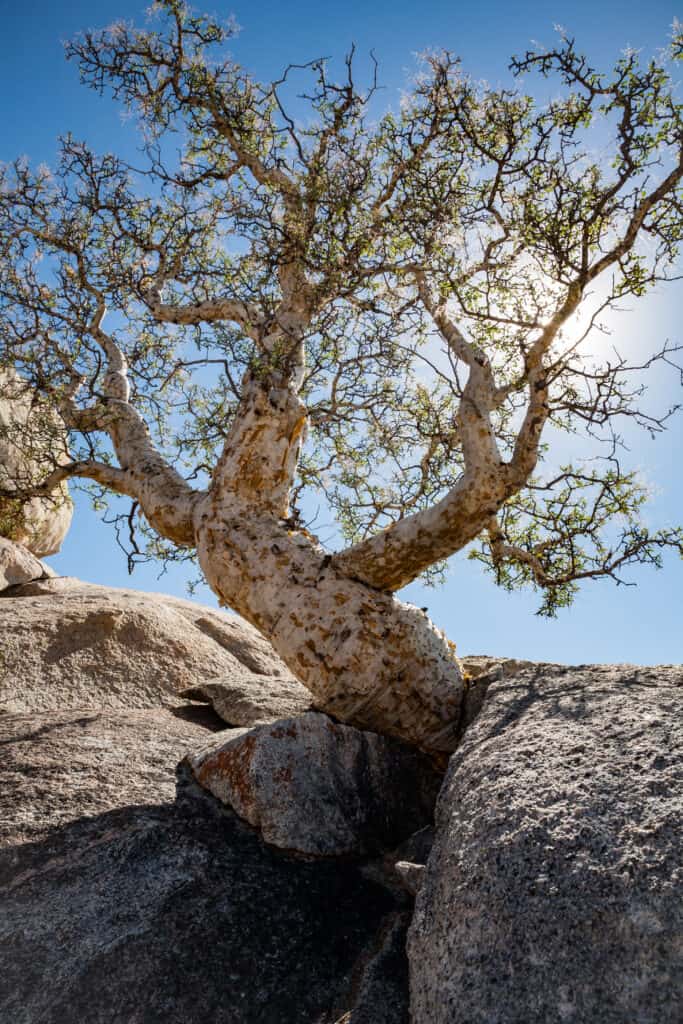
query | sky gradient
[40, 97]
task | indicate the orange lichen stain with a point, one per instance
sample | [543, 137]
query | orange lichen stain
[295, 435]
[283, 774]
[231, 764]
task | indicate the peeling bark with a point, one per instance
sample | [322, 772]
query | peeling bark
[395, 557]
[260, 456]
[367, 658]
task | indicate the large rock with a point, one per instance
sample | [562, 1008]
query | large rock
[119, 904]
[33, 440]
[553, 890]
[18, 566]
[68, 644]
[318, 787]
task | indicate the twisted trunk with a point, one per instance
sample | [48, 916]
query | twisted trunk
[367, 658]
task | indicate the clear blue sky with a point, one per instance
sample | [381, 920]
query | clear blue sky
[40, 97]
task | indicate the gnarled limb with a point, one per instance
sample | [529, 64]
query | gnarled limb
[366, 657]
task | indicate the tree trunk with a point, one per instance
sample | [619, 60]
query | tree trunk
[367, 658]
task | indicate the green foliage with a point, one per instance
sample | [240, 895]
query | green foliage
[582, 524]
[469, 204]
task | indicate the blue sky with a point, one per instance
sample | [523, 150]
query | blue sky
[40, 97]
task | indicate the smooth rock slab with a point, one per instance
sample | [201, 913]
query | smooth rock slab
[553, 892]
[119, 905]
[60, 766]
[248, 699]
[320, 788]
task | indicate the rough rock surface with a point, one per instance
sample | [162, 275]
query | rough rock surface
[318, 787]
[249, 699]
[119, 905]
[553, 889]
[32, 440]
[476, 665]
[66, 644]
[18, 566]
[58, 766]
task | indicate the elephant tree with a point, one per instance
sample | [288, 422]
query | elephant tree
[295, 293]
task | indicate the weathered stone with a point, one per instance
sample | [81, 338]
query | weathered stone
[33, 441]
[76, 645]
[248, 699]
[119, 905]
[553, 890]
[403, 867]
[415, 849]
[17, 565]
[59, 766]
[318, 787]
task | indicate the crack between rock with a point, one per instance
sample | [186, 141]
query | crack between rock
[348, 1004]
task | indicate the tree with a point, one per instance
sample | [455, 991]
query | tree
[293, 295]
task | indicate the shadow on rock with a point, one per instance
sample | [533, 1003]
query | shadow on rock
[179, 913]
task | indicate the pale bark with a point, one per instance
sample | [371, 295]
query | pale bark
[367, 658]
[166, 499]
[261, 452]
[396, 556]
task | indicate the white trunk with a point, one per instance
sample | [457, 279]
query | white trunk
[367, 658]
[259, 460]
[165, 498]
